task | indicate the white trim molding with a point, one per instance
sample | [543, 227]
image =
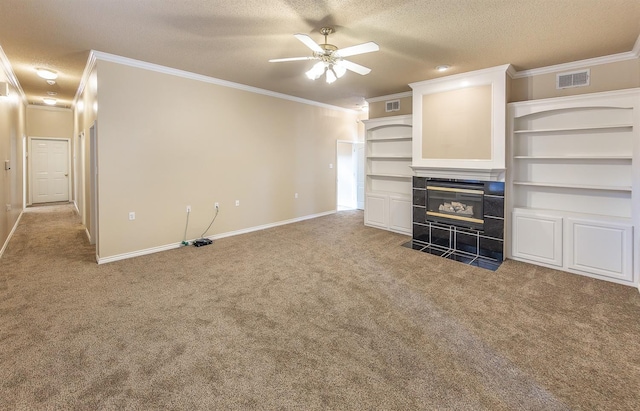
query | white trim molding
[13, 230]
[5, 65]
[98, 55]
[575, 65]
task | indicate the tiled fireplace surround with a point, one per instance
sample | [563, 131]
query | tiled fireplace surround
[481, 248]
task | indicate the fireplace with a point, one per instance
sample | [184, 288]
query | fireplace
[462, 220]
[456, 203]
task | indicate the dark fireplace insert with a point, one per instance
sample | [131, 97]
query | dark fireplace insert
[456, 203]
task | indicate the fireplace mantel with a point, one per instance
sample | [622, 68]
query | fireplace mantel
[483, 174]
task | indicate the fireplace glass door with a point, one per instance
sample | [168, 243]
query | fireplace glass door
[456, 206]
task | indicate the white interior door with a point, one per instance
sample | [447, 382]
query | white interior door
[49, 170]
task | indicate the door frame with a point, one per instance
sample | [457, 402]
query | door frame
[355, 169]
[29, 168]
[93, 186]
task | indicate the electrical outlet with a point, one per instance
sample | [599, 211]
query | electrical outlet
[8, 207]
[132, 216]
[217, 205]
[330, 165]
[188, 209]
[295, 195]
[237, 203]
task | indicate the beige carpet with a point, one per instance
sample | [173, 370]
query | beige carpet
[322, 314]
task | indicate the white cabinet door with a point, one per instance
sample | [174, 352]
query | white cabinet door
[376, 210]
[400, 214]
[600, 248]
[537, 237]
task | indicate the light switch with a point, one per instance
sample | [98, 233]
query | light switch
[7, 165]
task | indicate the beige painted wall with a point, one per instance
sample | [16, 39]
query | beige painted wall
[604, 77]
[12, 131]
[43, 121]
[456, 124]
[166, 142]
[377, 108]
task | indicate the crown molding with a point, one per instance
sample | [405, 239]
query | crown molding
[11, 76]
[88, 68]
[574, 65]
[462, 76]
[389, 97]
[99, 55]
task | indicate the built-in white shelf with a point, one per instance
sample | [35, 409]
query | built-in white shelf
[391, 139]
[390, 157]
[572, 179]
[573, 129]
[388, 188]
[402, 176]
[573, 186]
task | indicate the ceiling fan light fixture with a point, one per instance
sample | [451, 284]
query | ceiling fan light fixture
[331, 76]
[339, 69]
[47, 74]
[316, 71]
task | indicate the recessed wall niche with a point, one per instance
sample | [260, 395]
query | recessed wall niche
[459, 125]
[456, 124]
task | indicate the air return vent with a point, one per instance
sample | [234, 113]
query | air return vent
[392, 105]
[573, 79]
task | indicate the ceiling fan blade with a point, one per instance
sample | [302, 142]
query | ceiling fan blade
[359, 49]
[308, 41]
[356, 68]
[291, 59]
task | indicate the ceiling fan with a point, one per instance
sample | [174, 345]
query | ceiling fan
[331, 59]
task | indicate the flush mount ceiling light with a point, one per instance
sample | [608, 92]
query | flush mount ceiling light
[49, 101]
[51, 82]
[47, 74]
[51, 93]
[331, 59]
[443, 67]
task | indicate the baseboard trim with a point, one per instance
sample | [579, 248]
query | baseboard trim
[168, 247]
[13, 230]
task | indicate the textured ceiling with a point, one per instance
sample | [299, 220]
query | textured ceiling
[233, 40]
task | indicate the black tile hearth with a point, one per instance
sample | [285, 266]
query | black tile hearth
[493, 206]
[419, 214]
[455, 255]
[421, 233]
[419, 182]
[481, 246]
[419, 197]
[467, 243]
[440, 236]
[493, 227]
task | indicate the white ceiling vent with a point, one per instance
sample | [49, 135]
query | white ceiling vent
[392, 105]
[573, 79]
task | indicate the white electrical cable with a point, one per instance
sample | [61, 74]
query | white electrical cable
[211, 223]
[184, 240]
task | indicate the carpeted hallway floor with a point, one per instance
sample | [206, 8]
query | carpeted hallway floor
[321, 314]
